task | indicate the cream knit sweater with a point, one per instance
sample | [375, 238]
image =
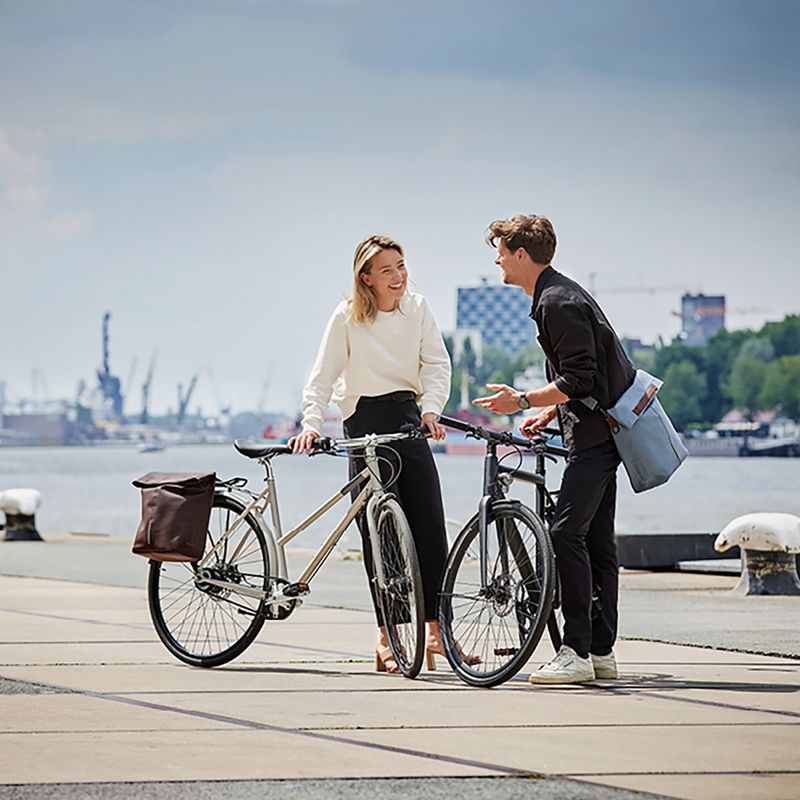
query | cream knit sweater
[400, 350]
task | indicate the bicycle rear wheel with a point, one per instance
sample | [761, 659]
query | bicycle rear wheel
[400, 598]
[205, 625]
[490, 632]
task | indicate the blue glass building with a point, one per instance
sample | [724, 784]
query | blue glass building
[499, 312]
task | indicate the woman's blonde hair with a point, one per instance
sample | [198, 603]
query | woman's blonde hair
[362, 305]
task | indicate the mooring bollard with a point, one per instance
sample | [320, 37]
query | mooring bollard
[19, 506]
[768, 543]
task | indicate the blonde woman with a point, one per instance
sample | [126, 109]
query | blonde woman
[383, 361]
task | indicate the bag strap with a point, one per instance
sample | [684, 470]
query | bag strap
[593, 405]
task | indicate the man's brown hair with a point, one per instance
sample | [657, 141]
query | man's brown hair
[534, 234]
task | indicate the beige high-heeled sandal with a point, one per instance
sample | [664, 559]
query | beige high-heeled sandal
[385, 661]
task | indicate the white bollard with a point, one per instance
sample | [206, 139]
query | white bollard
[20, 506]
[768, 543]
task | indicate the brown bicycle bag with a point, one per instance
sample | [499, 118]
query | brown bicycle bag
[176, 508]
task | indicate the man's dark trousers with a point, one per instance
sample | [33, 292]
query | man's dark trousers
[586, 551]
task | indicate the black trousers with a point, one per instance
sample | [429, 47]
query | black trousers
[586, 551]
[417, 489]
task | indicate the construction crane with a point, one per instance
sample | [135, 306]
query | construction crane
[222, 409]
[109, 383]
[183, 399]
[128, 388]
[145, 417]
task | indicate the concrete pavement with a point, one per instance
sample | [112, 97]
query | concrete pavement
[91, 705]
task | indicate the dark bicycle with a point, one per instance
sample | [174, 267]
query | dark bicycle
[500, 589]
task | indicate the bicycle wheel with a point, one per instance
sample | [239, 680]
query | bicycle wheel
[205, 625]
[400, 599]
[500, 625]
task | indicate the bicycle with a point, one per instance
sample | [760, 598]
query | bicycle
[196, 607]
[500, 587]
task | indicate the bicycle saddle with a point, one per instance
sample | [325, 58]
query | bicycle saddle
[258, 450]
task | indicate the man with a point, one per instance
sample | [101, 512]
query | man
[584, 360]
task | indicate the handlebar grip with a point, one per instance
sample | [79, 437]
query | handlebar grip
[409, 427]
[452, 422]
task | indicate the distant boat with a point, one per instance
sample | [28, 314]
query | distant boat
[150, 447]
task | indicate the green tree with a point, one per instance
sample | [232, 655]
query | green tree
[719, 353]
[782, 386]
[784, 335]
[682, 393]
[745, 382]
[759, 347]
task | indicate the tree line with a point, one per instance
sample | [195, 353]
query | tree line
[752, 370]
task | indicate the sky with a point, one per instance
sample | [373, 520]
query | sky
[203, 170]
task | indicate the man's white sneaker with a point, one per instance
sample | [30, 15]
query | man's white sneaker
[566, 667]
[605, 667]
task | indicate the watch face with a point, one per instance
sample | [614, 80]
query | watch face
[523, 401]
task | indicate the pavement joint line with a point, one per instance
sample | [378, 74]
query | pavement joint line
[697, 701]
[698, 646]
[262, 726]
[671, 773]
[142, 626]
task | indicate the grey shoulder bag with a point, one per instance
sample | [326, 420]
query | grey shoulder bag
[648, 444]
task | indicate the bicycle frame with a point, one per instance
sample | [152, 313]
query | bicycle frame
[257, 507]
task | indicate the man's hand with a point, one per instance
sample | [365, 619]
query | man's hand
[504, 401]
[531, 426]
[431, 422]
[303, 442]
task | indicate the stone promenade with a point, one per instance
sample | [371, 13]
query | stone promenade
[91, 705]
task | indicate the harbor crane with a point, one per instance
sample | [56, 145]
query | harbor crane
[109, 384]
[183, 399]
[145, 417]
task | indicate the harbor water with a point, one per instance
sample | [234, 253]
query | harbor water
[88, 489]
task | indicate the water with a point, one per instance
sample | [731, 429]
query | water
[88, 490]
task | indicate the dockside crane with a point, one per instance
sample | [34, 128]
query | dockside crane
[183, 399]
[145, 417]
[109, 383]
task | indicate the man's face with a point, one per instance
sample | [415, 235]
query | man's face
[510, 264]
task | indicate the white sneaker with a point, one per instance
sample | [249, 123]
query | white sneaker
[566, 667]
[605, 667]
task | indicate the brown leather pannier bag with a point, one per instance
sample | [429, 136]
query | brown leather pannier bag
[176, 508]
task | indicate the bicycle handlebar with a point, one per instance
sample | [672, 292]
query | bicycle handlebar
[503, 437]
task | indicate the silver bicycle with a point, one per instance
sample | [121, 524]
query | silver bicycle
[208, 612]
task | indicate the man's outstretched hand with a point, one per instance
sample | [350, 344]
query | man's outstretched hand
[505, 400]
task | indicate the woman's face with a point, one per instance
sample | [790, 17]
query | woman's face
[387, 277]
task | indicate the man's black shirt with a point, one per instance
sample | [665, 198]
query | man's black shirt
[585, 357]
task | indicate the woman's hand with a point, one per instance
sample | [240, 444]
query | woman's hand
[431, 422]
[303, 442]
[504, 401]
[531, 426]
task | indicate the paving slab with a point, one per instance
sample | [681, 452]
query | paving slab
[93, 689]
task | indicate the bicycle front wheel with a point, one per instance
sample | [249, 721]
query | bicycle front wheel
[490, 631]
[206, 625]
[400, 597]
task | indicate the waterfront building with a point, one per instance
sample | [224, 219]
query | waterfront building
[501, 313]
[701, 317]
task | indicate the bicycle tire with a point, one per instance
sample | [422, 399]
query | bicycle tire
[480, 623]
[200, 624]
[400, 600]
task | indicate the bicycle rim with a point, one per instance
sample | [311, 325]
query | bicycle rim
[203, 625]
[400, 600]
[502, 623]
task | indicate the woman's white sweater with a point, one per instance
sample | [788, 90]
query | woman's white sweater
[400, 350]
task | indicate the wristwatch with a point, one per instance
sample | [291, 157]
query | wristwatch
[522, 400]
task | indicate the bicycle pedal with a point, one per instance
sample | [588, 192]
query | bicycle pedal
[505, 651]
[296, 590]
